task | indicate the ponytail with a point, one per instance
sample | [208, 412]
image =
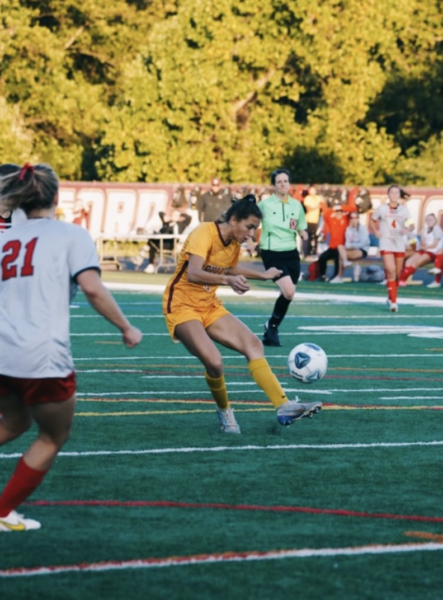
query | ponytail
[29, 187]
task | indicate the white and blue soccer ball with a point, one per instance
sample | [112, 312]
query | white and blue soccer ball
[308, 363]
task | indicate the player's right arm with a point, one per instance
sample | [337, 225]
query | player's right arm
[196, 274]
[101, 300]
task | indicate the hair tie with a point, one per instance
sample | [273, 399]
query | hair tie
[26, 167]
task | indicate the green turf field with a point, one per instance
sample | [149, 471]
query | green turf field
[148, 500]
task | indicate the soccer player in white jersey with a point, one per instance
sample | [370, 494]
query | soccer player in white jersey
[39, 260]
[394, 222]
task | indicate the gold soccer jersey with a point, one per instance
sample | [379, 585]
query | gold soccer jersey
[205, 241]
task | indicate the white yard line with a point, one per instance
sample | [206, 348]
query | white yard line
[228, 292]
[228, 557]
[181, 357]
[246, 448]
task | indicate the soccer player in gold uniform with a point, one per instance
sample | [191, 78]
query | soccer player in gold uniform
[197, 318]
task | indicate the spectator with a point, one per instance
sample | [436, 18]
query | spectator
[175, 218]
[356, 245]
[337, 220]
[430, 241]
[214, 203]
[312, 203]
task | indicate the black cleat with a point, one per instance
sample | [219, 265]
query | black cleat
[270, 336]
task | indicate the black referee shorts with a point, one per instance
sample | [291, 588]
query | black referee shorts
[287, 261]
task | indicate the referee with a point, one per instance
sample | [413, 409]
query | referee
[283, 218]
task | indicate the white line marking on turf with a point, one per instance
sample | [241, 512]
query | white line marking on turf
[304, 391]
[193, 450]
[187, 357]
[415, 330]
[242, 316]
[246, 556]
[415, 398]
[424, 332]
[184, 357]
[149, 333]
[326, 297]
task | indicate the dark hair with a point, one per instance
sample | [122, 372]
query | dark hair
[8, 168]
[242, 209]
[29, 188]
[277, 172]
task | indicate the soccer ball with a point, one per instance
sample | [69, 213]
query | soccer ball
[307, 363]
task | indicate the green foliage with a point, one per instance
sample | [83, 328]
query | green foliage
[340, 91]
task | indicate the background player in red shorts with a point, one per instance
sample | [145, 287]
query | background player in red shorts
[393, 223]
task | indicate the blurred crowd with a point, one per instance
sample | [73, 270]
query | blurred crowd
[337, 228]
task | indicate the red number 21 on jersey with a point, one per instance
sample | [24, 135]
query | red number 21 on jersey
[12, 250]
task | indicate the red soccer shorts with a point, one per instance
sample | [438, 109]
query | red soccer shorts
[39, 391]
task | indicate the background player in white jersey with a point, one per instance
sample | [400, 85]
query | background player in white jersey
[39, 259]
[430, 241]
[394, 221]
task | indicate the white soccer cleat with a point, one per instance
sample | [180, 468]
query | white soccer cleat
[292, 410]
[150, 269]
[434, 271]
[393, 306]
[16, 522]
[336, 280]
[228, 424]
[434, 284]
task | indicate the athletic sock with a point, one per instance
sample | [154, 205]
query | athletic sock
[439, 265]
[23, 482]
[392, 290]
[407, 272]
[280, 309]
[217, 385]
[265, 378]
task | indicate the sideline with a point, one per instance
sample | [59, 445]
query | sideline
[271, 294]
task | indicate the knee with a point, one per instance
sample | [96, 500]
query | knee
[214, 366]
[288, 291]
[255, 346]
[253, 349]
[56, 439]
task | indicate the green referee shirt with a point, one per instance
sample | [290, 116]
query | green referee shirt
[282, 219]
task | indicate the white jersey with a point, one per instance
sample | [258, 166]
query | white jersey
[39, 260]
[431, 239]
[357, 239]
[15, 218]
[392, 222]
